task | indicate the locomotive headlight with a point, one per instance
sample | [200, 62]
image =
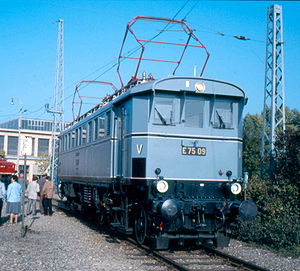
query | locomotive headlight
[199, 87]
[235, 188]
[162, 186]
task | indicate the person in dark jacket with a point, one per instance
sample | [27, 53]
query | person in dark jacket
[47, 195]
[41, 183]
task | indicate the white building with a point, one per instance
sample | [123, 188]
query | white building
[40, 132]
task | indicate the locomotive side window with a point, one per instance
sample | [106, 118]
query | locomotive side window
[84, 134]
[101, 126]
[79, 137]
[194, 112]
[73, 139]
[108, 122]
[223, 115]
[96, 128]
[1, 142]
[164, 111]
[90, 131]
[65, 143]
[69, 140]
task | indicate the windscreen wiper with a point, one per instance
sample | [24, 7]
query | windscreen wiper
[162, 119]
[222, 123]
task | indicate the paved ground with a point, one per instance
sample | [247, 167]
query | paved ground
[62, 242]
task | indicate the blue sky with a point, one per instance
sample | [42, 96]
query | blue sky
[94, 31]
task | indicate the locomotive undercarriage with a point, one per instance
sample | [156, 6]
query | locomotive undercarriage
[132, 210]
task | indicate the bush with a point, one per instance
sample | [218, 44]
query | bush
[277, 224]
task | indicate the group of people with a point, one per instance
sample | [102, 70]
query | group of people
[42, 189]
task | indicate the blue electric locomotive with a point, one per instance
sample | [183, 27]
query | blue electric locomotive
[160, 159]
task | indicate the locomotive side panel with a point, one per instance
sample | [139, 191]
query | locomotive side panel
[86, 154]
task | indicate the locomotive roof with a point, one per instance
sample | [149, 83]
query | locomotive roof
[174, 84]
[179, 83]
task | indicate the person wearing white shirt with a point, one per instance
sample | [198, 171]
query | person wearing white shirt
[32, 194]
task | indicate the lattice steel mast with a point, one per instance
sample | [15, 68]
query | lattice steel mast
[58, 103]
[274, 97]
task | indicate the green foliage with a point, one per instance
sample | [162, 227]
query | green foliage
[43, 163]
[252, 143]
[278, 222]
[288, 157]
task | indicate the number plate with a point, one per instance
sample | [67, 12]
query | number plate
[200, 151]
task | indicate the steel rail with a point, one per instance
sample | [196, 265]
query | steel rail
[234, 259]
[155, 254]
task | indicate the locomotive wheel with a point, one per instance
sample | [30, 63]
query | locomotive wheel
[101, 218]
[140, 226]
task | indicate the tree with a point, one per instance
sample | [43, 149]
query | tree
[43, 163]
[252, 143]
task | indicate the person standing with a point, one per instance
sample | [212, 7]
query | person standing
[41, 183]
[47, 195]
[32, 192]
[2, 197]
[13, 197]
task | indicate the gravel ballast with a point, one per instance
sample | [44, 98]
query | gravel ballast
[63, 242]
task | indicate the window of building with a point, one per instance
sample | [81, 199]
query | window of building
[43, 146]
[1, 143]
[12, 147]
[164, 111]
[90, 131]
[22, 169]
[194, 108]
[33, 141]
[223, 115]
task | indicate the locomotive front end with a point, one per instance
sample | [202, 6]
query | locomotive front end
[200, 211]
[195, 144]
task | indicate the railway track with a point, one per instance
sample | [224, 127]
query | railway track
[205, 258]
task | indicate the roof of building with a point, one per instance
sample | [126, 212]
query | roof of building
[28, 124]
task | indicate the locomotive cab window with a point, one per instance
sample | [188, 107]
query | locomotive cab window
[193, 112]
[222, 115]
[164, 110]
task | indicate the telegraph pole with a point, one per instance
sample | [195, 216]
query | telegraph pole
[58, 104]
[274, 97]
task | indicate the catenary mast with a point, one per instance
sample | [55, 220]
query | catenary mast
[274, 97]
[58, 104]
